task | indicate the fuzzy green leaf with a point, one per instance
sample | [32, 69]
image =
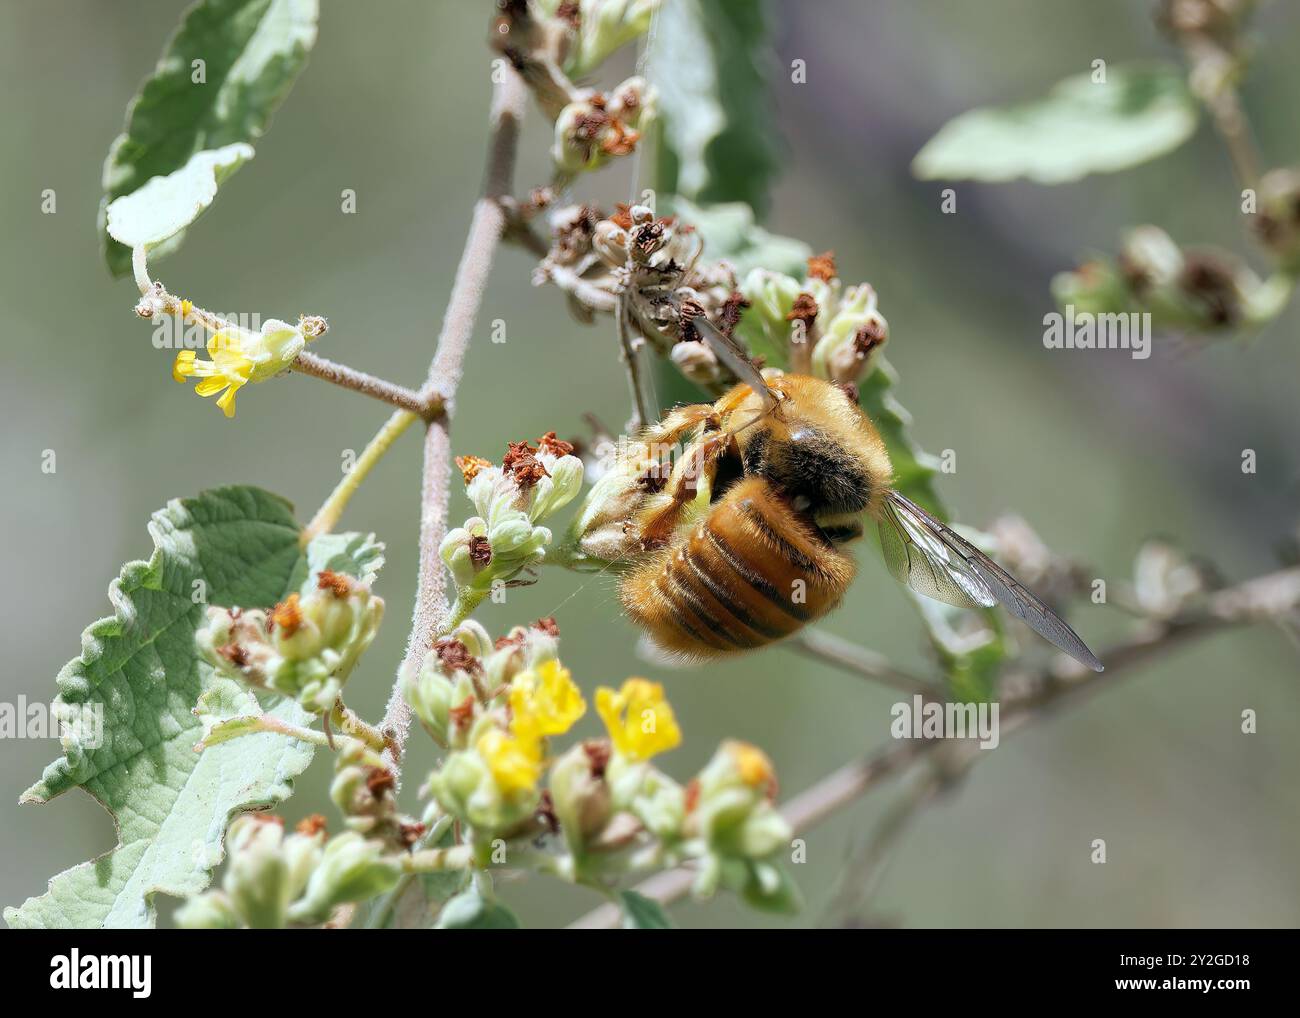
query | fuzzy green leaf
[233, 546]
[166, 205]
[1080, 127]
[642, 913]
[706, 59]
[252, 50]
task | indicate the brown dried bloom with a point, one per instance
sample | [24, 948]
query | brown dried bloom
[822, 266]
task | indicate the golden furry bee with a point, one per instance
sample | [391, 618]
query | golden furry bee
[739, 543]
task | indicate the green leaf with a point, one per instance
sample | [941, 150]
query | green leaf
[469, 910]
[166, 205]
[642, 913]
[252, 50]
[729, 231]
[1079, 127]
[706, 59]
[235, 546]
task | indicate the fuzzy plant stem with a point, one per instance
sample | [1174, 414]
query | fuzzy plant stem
[431, 613]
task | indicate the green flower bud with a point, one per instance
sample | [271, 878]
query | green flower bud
[489, 793]
[660, 805]
[579, 794]
[600, 530]
[210, 911]
[303, 851]
[1277, 220]
[733, 811]
[274, 349]
[351, 868]
[850, 345]
[602, 26]
[257, 876]
[303, 648]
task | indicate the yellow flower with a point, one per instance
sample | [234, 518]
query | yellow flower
[545, 701]
[639, 719]
[515, 763]
[752, 764]
[229, 369]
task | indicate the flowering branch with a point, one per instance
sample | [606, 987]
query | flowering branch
[1273, 597]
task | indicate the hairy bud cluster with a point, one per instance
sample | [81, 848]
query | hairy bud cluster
[305, 647]
[513, 499]
[274, 879]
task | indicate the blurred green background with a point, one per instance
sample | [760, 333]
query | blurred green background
[1097, 450]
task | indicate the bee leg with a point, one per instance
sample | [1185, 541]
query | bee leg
[698, 466]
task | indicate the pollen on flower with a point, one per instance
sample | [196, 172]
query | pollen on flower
[753, 765]
[338, 584]
[287, 615]
[470, 466]
[310, 825]
[623, 217]
[186, 308]
[822, 266]
[620, 140]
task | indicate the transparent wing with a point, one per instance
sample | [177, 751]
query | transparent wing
[934, 560]
[917, 556]
[730, 353]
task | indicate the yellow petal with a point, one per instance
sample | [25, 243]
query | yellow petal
[227, 401]
[226, 340]
[183, 365]
[211, 386]
[515, 763]
[640, 721]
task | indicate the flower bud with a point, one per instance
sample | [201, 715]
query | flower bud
[257, 877]
[603, 26]
[733, 810]
[1277, 221]
[579, 794]
[210, 911]
[697, 362]
[351, 868]
[851, 343]
[305, 647]
[601, 530]
[610, 242]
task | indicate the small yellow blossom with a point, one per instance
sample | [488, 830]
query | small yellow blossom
[752, 764]
[639, 719]
[229, 369]
[544, 701]
[515, 763]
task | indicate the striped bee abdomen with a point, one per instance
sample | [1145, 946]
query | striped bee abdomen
[752, 572]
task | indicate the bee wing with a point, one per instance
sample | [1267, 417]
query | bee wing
[730, 353]
[934, 560]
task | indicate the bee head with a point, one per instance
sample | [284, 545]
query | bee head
[818, 448]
